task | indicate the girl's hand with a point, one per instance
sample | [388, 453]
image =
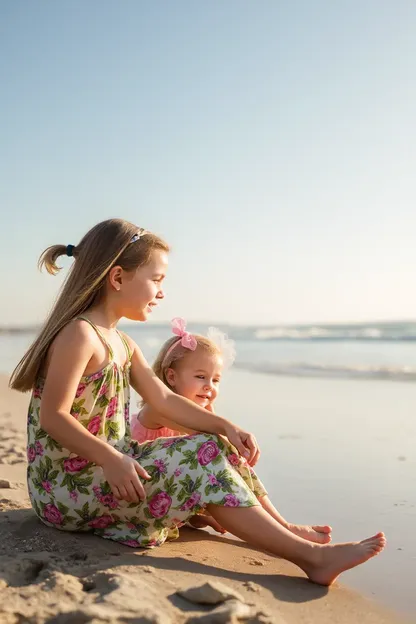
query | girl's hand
[200, 521]
[122, 473]
[244, 442]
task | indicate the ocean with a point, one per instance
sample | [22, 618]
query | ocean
[356, 351]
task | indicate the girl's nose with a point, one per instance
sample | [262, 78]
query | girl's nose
[160, 295]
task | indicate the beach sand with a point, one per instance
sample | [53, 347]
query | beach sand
[56, 577]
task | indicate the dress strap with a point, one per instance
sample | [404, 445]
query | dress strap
[126, 346]
[107, 344]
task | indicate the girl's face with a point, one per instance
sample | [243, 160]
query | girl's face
[139, 291]
[197, 376]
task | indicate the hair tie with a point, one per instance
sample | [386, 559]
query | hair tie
[70, 250]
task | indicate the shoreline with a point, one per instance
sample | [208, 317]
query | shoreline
[35, 558]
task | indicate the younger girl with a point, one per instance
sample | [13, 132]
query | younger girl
[191, 365]
[85, 473]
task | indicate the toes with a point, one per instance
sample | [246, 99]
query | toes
[322, 529]
[379, 538]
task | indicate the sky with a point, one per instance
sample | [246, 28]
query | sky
[271, 143]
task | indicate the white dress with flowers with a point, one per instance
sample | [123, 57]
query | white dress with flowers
[70, 493]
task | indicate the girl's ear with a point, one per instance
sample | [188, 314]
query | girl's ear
[170, 377]
[115, 277]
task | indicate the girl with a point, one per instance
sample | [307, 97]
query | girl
[191, 365]
[85, 472]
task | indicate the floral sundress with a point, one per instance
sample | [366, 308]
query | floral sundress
[70, 493]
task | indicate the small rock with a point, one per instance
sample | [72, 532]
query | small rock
[6, 484]
[256, 562]
[78, 556]
[148, 569]
[251, 586]
[232, 611]
[212, 593]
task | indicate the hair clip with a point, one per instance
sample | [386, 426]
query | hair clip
[138, 235]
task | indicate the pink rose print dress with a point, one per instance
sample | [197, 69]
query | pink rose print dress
[70, 493]
[143, 434]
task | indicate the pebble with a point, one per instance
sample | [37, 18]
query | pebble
[232, 611]
[212, 593]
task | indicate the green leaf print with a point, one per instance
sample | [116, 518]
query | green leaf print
[84, 482]
[182, 495]
[190, 459]
[188, 487]
[140, 526]
[62, 508]
[154, 473]
[85, 513]
[97, 383]
[226, 481]
[40, 434]
[78, 481]
[36, 506]
[144, 453]
[220, 443]
[44, 469]
[187, 484]
[102, 401]
[106, 489]
[171, 486]
[175, 446]
[112, 430]
[78, 408]
[217, 460]
[38, 486]
[68, 482]
[52, 444]
[34, 416]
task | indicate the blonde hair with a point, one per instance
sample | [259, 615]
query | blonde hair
[102, 247]
[168, 358]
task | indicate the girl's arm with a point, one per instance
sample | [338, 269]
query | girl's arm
[178, 412]
[153, 420]
[69, 355]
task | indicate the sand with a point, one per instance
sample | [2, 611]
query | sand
[56, 577]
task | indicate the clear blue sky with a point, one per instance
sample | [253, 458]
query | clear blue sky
[272, 143]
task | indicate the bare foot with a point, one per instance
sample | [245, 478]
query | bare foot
[331, 560]
[317, 534]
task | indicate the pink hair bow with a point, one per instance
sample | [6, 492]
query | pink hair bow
[179, 329]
